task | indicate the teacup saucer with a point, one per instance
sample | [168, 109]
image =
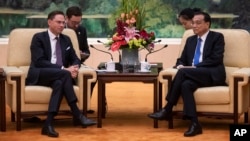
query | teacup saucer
[144, 71]
[106, 70]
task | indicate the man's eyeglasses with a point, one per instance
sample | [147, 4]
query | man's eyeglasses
[199, 22]
[75, 22]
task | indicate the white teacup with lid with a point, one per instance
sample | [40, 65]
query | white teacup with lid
[110, 66]
[145, 66]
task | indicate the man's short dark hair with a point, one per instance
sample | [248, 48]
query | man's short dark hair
[73, 11]
[188, 13]
[52, 14]
[207, 17]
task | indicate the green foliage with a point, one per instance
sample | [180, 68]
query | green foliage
[159, 16]
[178, 5]
[9, 22]
[94, 26]
[101, 7]
[170, 31]
[61, 6]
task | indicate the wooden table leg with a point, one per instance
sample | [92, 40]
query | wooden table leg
[156, 100]
[2, 101]
[99, 103]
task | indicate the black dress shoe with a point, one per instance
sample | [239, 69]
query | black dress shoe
[193, 130]
[49, 131]
[32, 119]
[84, 121]
[90, 111]
[161, 115]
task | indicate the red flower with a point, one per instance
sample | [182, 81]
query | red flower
[144, 34]
[116, 45]
[117, 38]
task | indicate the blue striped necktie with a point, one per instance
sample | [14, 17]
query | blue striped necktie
[58, 52]
[197, 52]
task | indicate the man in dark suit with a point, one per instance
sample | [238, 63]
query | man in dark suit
[73, 21]
[206, 70]
[54, 63]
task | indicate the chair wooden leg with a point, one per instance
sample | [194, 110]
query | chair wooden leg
[16, 117]
[246, 117]
[12, 116]
[171, 123]
[18, 122]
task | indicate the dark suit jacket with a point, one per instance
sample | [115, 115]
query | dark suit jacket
[41, 55]
[82, 40]
[213, 54]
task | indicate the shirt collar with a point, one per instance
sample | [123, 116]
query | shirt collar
[51, 35]
[204, 36]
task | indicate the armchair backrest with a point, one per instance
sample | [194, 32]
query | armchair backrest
[19, 45]
[237, 48]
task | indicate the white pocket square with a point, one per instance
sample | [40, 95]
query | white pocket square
[67, 48]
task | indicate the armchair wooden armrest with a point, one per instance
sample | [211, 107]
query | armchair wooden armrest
[165, 77]
[14, 78]
[170, 72]
[241, 80]
[86, 76]
[243, 73]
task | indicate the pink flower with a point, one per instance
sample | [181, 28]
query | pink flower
[130, 33]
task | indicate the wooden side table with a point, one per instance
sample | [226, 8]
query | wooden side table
[108, 77]
[2, 101]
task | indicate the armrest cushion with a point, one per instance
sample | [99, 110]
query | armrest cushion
[242, 73]
[13, 72]
[83, 71]
[87, 71]
[167, 72]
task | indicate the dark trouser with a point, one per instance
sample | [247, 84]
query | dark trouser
[92, 86]
[61, 83]
[186, 81]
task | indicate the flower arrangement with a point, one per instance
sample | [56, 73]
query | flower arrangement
[130, 32]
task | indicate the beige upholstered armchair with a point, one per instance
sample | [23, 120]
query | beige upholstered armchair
[230, 101]
[33, 100]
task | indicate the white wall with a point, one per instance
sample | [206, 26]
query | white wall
[167, 56]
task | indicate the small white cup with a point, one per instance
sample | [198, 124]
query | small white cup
[110, 66]
[145, 66]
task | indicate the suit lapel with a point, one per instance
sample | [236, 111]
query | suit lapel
[207, 44]
[47, 40]
[63, 47]
[193, 45]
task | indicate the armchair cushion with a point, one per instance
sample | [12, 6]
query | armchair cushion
[206, 96]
